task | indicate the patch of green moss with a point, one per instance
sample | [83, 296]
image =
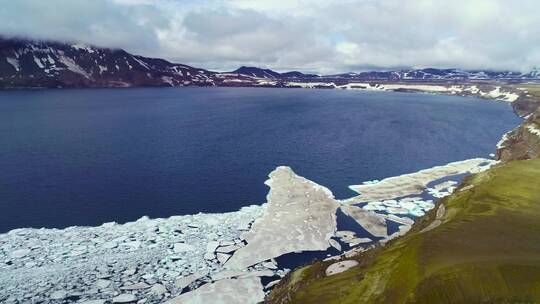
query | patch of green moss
[486, 250]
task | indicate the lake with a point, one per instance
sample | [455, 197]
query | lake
[85, 157]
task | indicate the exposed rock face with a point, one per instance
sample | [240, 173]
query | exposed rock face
[526, 105]
[523, 142]
[300, 216]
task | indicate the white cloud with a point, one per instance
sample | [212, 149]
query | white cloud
[315, 35]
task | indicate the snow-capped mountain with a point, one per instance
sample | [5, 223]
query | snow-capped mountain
[439, 74]
[25, 63]
[50, 64]
[257, 72]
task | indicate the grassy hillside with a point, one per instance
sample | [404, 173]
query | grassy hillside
[487, 250]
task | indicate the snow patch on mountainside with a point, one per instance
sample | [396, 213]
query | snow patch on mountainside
[502, 143]
[14, 62]
[168, 79]
[142, 63]
[266, 82]
[38, 62]
[73, 66]
[235, 80]
[84, 47]
[534, 130]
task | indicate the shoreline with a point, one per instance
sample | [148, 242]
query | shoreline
[457, 88]
[125, 280]
[518, 145]
[138, 256]
[367, 90]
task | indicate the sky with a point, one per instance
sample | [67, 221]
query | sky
[307, 35]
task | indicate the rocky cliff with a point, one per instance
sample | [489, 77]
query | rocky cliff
[524, 141]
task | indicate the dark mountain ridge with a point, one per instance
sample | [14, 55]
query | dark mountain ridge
[267, 73]
[28, 63]
[52, 64]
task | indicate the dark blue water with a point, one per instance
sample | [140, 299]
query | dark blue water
[84, 157]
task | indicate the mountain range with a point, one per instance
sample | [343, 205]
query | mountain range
[29, 63]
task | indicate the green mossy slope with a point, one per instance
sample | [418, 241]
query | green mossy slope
[487, 250]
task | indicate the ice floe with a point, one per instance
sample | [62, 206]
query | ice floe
[138, 258]
[335, 244]
[124, 298]
[415, 183]
[373, 223]
[228, 291]
[300, 216]
[184, 282]
[398, 219]
[413, 206]
[208, 258]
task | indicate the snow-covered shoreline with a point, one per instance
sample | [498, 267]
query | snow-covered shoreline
[153, 260]
[493, 92]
